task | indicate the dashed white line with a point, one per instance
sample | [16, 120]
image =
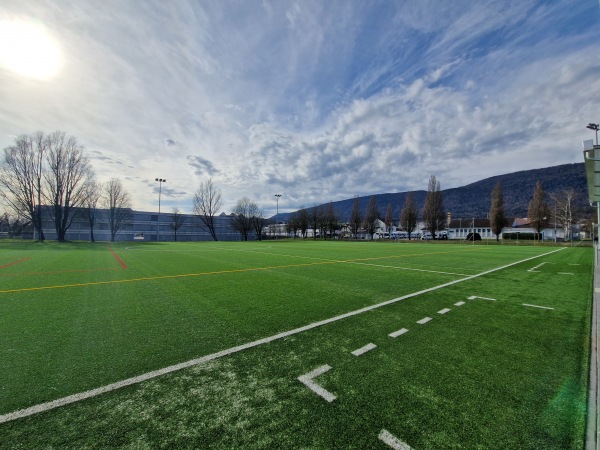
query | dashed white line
[444, 311]
[393, 441]
[424, 320]
[459, 303]
[566, 273]
[395, 334]
[307, 380]
[364, 349]
[475, 297]
[537, 306]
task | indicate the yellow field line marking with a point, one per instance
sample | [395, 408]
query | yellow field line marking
[251, 269]
[164, 277]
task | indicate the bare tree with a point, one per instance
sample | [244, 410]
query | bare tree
[315, 219]
[565, 213]
[355, 216]
[388, 220]
[293, 224]
[371, 216]
[497, 218]
[409, 215]
[257, 219]
[331, 220]
[433, 210]
[177, 221]
[21, 178]
[207, 202]
[66, 178]
[303, 222]
[89, 210]
[242, 219]
[12, 225]
[538, 211]
[116, 201]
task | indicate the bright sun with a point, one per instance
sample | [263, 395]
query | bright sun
[28, 50]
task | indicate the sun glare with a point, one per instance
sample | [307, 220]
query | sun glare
[28, 50]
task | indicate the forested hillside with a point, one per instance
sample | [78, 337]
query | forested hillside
[473, 200]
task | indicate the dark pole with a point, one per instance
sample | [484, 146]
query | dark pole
[160, 182]
[277, 214]
[595, 127]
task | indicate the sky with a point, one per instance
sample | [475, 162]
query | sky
[315, 100]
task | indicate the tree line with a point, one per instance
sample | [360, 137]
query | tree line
[49, 176]
[50, 173]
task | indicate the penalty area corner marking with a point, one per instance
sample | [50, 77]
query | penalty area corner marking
[307, 380]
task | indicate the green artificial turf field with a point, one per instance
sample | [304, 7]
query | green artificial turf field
[506, 369]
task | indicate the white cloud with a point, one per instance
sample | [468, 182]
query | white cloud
[317, 101]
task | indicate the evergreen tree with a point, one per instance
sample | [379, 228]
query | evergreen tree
[497, 218]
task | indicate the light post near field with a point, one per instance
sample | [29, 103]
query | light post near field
[595, 127]
[277, 214]
[160, 182]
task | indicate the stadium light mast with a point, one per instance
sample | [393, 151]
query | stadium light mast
[595, 127]
[277, 214]
[160, 182]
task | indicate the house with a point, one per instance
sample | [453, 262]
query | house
[516, 228]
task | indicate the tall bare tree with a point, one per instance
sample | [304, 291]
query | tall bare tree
[497, 217]
[67, 177]
[355, 216]
[331, 220]
[434, 215]
[177, 221]
[258, 220]
[116, 200]
[207, 202]
[242, 218]
[371, 216]
[409, 215]
[315, 219]
[388, 220]
[21, 178]
[303, 221]
[538, 211]
[89, 210]
[565, 212]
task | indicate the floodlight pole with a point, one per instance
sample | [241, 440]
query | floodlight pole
[595, 127]
[277, 214]
[160, 182]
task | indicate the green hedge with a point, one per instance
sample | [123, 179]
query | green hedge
[522, 236]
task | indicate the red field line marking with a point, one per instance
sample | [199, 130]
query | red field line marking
[116, 256]
[14, 262]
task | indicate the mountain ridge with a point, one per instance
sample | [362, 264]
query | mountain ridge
[473, 199]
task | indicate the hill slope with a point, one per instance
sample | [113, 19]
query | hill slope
[473, 200]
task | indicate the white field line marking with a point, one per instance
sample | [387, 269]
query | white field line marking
[533, 269]
[407, 268]
[203, 359]
[424, 320]
[537, 306]
[573, 264]
[395, 334]
[393, 441]
[459, 303]
[307, 380]
[364, 349]
[566, 273]
[475, 297]
[444, 311]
